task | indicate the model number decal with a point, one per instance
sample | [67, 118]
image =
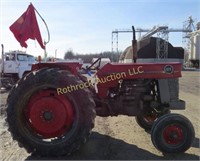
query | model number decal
[168, 69]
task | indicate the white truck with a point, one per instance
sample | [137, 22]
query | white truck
[14, 65]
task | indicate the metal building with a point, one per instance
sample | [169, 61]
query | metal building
[194, 56]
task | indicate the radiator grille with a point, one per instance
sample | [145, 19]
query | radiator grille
[173, 88]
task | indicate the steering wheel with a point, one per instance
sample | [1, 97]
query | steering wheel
[95, 62]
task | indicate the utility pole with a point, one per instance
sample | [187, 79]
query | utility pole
[55, 53]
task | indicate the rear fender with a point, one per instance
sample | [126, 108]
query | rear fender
[73, 67]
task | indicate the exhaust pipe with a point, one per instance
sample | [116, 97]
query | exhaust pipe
[134, 46]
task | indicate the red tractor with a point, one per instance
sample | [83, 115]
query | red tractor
[51, 111]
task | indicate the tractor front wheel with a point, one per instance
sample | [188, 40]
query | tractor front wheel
[172, 133]
[147, 119]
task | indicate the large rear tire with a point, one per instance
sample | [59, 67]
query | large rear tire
[45, 122]
[172, 133]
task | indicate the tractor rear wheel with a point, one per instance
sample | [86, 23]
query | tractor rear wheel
[46, 122]
[172, 133]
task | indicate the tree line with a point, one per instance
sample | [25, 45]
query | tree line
[87, 58]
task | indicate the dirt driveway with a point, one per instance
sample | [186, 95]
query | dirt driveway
[118, 138]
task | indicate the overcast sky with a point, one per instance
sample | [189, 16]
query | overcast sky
[85, 26]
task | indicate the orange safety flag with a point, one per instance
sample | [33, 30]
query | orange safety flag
[26, 27]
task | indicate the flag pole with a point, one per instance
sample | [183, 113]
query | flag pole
[45, 42]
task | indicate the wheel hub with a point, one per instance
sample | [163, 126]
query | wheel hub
[173, 134]
[150, 117]
[49, 114]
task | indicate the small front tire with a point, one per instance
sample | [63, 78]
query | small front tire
[172, 133]
[147, 119]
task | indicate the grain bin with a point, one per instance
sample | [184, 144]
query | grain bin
[195, 47]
